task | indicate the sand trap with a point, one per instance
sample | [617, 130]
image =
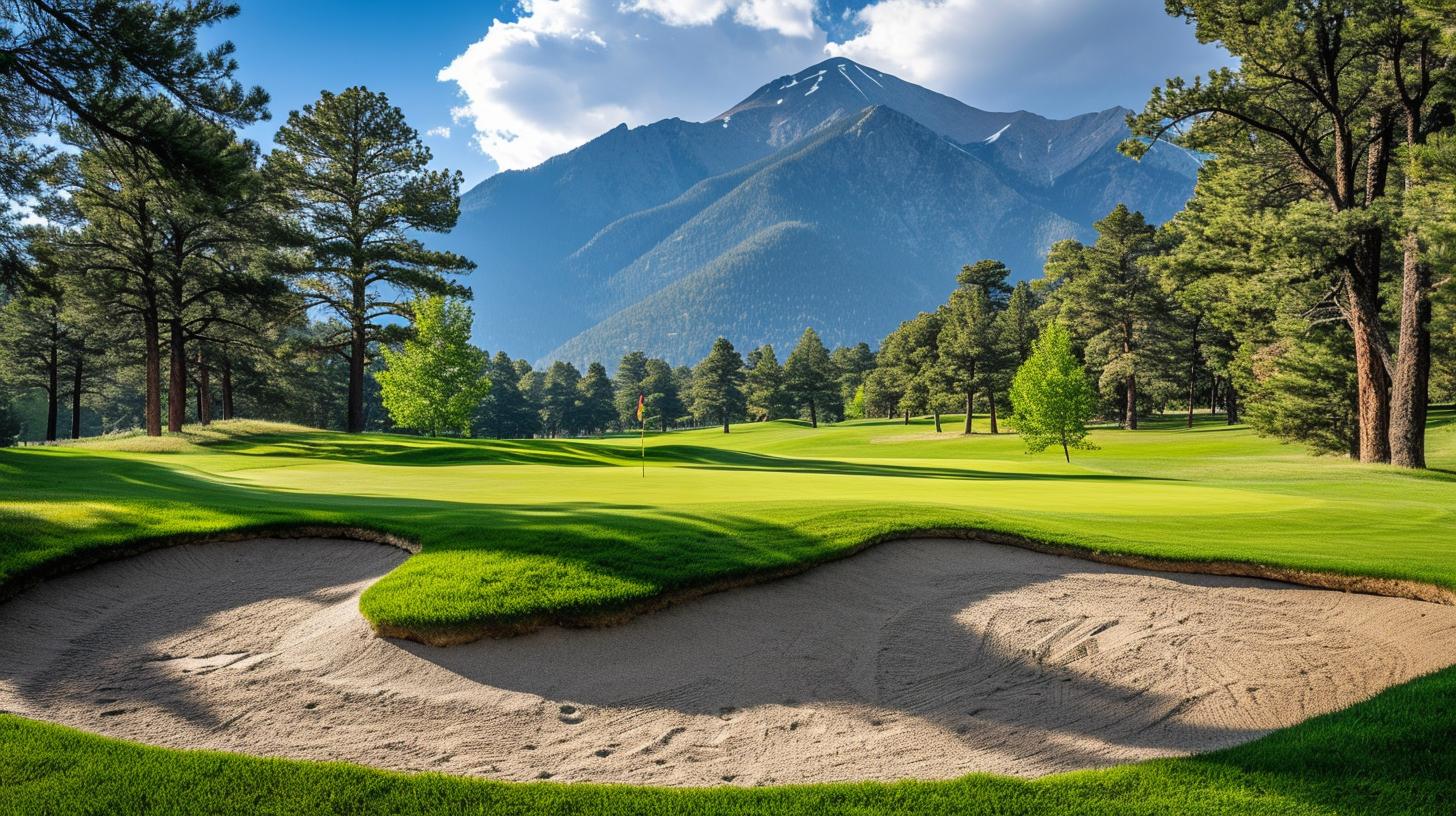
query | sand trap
[924, 659]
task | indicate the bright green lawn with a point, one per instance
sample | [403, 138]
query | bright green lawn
[562, 529]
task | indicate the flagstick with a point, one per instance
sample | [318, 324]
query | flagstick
[642, 444]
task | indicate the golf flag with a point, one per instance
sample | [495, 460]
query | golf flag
[641, 406]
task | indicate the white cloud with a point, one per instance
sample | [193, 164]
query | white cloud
[1054, 57]
[569, 70]
[441, 132]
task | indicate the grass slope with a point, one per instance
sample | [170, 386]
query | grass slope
[512, 530]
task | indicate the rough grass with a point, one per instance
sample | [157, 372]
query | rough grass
[512, 530]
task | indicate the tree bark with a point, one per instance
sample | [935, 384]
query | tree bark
[204, 390]
[725, 422]
[177, 379]
[53, 384]
[969, 396]
[1231, 403]
[1193, 369]
[227, 388]
[813, 415]
[1410, 390]
[907, 417]
[153, 339]
[991, 398]
[76, 380]
[1132, 403]
[1372, 382]
[936, 412]
[357, 348]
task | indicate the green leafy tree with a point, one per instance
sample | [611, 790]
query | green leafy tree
[359, 190]
[855, 408]
[437, 379]
[767, 398]
[662, 391]
[718, 385]
[597, 406]
[631, 371]
[1051, 398]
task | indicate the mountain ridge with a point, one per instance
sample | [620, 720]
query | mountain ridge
[593, 236]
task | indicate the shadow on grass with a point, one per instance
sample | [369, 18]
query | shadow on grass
[576, 453]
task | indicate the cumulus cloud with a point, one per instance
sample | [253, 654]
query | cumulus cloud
[1053, 57]
[441, 132]
[568, 70]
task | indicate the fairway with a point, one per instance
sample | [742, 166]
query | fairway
[515, 535]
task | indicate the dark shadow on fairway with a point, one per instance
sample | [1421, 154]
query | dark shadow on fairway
[574, 453]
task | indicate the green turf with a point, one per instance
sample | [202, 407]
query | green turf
[516, 529]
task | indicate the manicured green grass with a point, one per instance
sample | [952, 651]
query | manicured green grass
[521, 529]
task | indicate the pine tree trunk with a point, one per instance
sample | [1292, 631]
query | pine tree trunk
[991, 398]
[725, 422]
[907, 417]
[1213, 394]
[1231, 403]
[53, 384]
[937, 420]
[1372, 384]
[357, 348]
[970, 396]
[1132, 417]
[1410, 391]
[813, 415]
[1193, 369]
[76, 381]
[152, 336]
[227, 388]
[204, 391]
[177, 377]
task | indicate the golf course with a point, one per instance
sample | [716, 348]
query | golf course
[549, 557]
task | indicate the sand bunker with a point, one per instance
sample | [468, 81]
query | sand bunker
[925, 659]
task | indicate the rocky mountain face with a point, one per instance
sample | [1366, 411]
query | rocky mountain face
[839, 197]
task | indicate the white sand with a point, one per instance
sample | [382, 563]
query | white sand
[925, 659]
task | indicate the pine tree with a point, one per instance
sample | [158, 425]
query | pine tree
[810, 379]
[598, 410]
[359, 189]
[718, 385]
[767, 398]
[910, 356]
[627, 384]
[32, 346]
[1051, 398]
[437, 379]
[505, 412]
[970, 354]
[561, 399]
[663, 394]
[1110, 301]
[853, 363]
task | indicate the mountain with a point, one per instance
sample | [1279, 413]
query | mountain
[840, 197]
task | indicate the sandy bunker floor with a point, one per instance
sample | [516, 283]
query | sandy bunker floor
[924, 659]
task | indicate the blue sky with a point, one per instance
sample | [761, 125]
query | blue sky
[525, 81]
